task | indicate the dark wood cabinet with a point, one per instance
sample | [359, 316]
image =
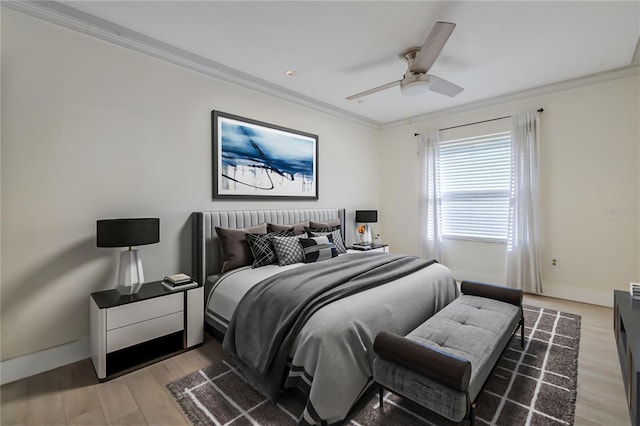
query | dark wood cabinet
[626, 325]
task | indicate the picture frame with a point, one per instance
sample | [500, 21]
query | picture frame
[257, 160]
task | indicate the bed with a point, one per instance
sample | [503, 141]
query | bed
[328, 354]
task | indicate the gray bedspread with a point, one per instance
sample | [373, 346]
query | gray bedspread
[270, 321]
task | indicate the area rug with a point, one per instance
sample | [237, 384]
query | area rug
[534, 386]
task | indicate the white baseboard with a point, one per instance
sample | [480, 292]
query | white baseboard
[29, 365]
[575, 294]
[593, 297]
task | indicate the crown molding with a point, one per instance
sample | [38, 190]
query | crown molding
[588, 80]
[74, 19]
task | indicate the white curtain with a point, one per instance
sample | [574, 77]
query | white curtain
[430, 219]
[523, 245]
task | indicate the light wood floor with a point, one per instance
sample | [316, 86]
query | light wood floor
[601, 399]
[72, 395]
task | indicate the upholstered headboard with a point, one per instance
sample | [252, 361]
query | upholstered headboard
[205, 247]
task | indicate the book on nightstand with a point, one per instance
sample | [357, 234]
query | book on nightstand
[178, 278]
[178, 282]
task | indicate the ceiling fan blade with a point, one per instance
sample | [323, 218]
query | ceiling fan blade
[374, 90]
[432, 47]
[444, 87]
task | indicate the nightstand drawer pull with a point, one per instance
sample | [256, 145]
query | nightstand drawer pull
[124, 315]
[142, 331]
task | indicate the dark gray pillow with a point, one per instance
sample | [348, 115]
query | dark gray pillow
[298, 228]
[329, 224]
[261, 246]
[234, 245]
[318, 248]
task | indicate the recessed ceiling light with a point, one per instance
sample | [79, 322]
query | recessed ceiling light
[288, 73]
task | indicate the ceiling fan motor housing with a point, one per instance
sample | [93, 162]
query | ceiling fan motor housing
[409, 55]
[412, 83]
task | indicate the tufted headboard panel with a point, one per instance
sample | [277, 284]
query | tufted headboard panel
[205, 247]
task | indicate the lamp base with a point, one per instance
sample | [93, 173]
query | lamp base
[130, 274]
[366, 237]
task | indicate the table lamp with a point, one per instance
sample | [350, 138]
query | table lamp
[128, 233]
[366, 217]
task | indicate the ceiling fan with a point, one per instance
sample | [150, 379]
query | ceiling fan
[416, 81]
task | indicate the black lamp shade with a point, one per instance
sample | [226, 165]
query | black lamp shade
[366, 216]
[127, 232]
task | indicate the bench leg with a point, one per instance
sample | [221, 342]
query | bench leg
[381, 394]
[472, 415]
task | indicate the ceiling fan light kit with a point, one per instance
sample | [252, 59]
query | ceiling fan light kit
[419, 60]
[417, 84]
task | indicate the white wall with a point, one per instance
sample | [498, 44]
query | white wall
[589, 168]
[90, 131]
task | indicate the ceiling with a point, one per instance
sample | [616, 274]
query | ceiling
[339, 48]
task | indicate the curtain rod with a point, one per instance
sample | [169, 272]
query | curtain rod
[477, 122]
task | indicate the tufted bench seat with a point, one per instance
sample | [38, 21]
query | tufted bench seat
[443, 364]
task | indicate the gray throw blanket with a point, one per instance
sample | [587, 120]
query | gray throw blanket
[269, 317]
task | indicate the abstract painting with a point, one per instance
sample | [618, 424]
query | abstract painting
[252, 159]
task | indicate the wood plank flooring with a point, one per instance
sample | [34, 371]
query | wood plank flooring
[71, 395]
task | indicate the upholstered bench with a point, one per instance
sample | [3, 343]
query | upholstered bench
[443, 364]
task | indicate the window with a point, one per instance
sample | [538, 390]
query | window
[474, 186]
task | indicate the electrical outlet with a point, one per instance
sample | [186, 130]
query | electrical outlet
[555, 262]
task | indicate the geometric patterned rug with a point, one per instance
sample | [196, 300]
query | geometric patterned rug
[534, 386]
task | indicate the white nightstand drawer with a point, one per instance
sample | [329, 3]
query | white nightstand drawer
[384, 249]
[124, 315]
[142, 331]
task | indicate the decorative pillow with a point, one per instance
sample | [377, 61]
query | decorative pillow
[329, 224]
[261, 246]
[298, 228]
[318, 248]
[335, 236]
[323, 229]
[234, 245]
[288, 249]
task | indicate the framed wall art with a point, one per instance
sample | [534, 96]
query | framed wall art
[252, 159]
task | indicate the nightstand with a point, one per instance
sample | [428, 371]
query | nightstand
[383, 248]
[129, 332]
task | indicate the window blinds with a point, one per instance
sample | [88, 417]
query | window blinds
[474, 186]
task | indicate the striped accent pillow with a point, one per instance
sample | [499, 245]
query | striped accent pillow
[318, 248]
[335, 235]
